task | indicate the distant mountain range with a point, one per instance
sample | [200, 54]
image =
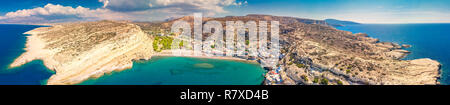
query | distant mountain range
[337, 23]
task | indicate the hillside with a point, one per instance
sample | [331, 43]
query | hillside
[334, 22]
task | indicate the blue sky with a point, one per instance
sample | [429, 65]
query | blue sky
[14, 5]
[365, 11]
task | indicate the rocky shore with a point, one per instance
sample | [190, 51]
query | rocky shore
[78, 51]
[323, 55]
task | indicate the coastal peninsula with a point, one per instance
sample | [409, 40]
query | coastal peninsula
[78, 51]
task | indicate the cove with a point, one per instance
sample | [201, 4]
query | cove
[184, 71]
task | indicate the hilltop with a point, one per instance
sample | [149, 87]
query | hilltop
[334, 22]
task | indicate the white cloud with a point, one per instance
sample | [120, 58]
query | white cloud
[58, 13]
[186, 6]
[50, 9]
[134, 10]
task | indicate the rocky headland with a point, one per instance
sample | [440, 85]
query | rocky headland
[78, 51]
[319, 54]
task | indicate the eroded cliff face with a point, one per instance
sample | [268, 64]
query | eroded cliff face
[78, 51]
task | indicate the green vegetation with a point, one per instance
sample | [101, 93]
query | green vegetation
[299, 65]
[213, 46]
[349, 67]
[324, 81]
[316, 80]
[347, 71]
[339, 82]
[247, 42]
[162, 43]
[181, 44]
[304, 77]
[290, 63]
[155, 46]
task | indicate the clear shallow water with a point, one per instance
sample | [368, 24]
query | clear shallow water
[427, 40]
[12, 42]
[184, 71]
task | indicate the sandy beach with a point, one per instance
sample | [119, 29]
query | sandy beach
[168, 53]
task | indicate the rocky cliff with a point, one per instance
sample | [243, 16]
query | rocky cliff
[78, 51]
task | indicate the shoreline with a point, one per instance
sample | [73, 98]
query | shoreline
[403, 53]
[168, 53]
[72, 69]
[230, 59]
[33, 51]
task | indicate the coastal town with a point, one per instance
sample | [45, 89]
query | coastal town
[337, 57]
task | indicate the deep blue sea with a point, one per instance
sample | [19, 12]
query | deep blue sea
[427, 40]
[12, 42]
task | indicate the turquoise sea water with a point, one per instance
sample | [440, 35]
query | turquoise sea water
[185, 71]
[157, 71]
[427, 40]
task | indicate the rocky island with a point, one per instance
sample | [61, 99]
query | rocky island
[314, 53]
